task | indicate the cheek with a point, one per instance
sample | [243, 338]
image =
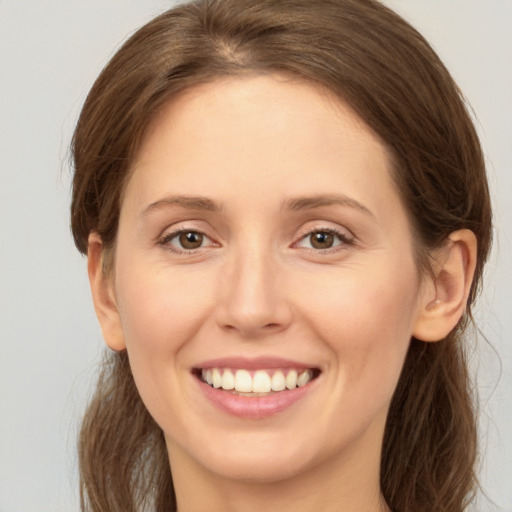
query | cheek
[160, 310]
[358, 302]
[367, 323]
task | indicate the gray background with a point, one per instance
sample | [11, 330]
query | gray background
[50, 53]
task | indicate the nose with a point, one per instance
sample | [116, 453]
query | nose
[253, 299]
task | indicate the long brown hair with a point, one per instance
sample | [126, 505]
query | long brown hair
[386, 71]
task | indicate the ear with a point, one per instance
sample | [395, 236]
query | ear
[446, 295]
[103, 295]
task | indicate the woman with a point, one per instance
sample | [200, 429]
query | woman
[286, 217]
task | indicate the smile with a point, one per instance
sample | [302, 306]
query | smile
[255, 388]
[258, 382]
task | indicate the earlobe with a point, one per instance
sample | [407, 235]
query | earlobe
[103, 295]
[445, 301]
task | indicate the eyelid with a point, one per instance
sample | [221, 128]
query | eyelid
[345, 236]
[170, 233]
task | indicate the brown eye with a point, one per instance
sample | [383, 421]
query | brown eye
[321, 240]
[190, 239]
[185, 241]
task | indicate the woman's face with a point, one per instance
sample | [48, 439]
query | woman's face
[262, 244]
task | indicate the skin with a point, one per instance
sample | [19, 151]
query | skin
[258, 287]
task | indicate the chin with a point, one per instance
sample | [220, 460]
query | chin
[258, 467]
[262, 457]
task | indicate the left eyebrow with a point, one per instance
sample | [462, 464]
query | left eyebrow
[188, 202]
[317, 201]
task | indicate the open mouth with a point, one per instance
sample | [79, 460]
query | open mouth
[254, 383]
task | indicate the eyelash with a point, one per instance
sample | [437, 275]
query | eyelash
[345, 240]
[166, 239]
[342, 237]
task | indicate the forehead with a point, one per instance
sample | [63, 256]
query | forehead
[259, 131]
[238, 100]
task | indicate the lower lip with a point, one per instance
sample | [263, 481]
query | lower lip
[254, 407]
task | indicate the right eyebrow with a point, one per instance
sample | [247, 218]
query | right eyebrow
[188, 202]
[317, 201]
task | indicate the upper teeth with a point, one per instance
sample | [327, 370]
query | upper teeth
[260, 381]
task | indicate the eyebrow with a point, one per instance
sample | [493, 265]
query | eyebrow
[295, 204]
[188, 202]
[317, 201]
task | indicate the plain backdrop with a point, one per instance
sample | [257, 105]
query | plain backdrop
[50, 53]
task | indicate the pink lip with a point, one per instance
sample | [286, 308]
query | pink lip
[257, 407]
[253, 407]
[257, 363]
